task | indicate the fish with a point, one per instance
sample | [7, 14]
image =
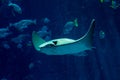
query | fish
[102, 34]
[69, 26]
[114, 4]
[44, 28]
[4, 32]
[22, 24]
[20, 38]
[76, 22]
[104, 1]
[65, 46]
[101, 1]
[15, 7]
[46, 20]
[44, 32]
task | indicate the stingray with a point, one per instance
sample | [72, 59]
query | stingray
[65, 46]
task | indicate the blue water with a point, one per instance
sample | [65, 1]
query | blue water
[20, 61]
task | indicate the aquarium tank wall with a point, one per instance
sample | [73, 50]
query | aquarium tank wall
[59, 40]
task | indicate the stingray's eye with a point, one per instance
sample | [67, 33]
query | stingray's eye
[55, 42]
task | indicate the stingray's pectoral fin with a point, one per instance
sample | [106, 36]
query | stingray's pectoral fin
[87, 39]
[89, 35]
[36, 40]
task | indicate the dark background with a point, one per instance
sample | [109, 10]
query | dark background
[102, 63]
